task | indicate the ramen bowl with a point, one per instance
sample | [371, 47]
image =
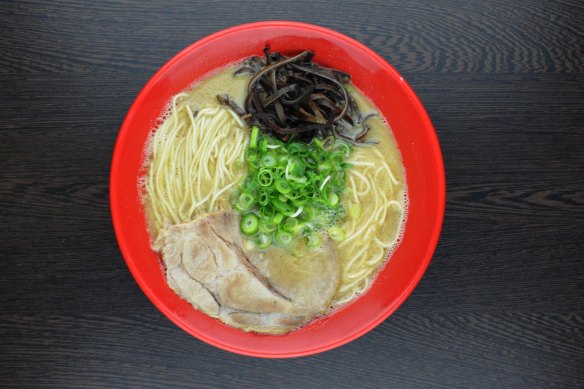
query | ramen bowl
[414, 134]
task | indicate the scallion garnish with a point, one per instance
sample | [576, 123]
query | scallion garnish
[293, 189]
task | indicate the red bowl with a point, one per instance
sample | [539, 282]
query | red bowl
[412, 129]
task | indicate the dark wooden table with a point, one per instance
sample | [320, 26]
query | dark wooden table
[502, 303]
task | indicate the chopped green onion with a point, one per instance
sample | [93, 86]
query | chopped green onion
[329, 197]
[249, 224]
[299, 180]
[263, 198]
[310, 162]
[253, 140]
[267, 227]
[265, 177]
[245, 201]
[290, 223]
[282, 186]
[284, 208]
[268, 160]
[292, 195]
[336, 233]
[308, 212]
[284, 238]
[292, 189]
[264, 144]
[297, 149]
[324, 182]
[277, 219]
[268, 210]
[314, 240]
[296, 168]
[275, 144]
[298, 212]
[318, 143]
[325, 167]
[300, 201]
[333, 199]
[355, 211]
[263, 241]
[252, 161]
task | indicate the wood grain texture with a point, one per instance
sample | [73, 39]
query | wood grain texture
[410, 350]
[424, 36]
[502, 303]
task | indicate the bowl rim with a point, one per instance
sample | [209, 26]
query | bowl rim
[440, 193]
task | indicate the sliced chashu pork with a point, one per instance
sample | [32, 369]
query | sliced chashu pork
[269, 291]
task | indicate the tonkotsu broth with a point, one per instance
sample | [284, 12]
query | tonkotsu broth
[204, 93]
[361, 258]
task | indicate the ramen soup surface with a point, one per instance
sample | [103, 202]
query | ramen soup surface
[208, 262]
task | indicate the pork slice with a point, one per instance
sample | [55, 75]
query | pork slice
[271, 291]
[192, 291]
[266, 323]
[310, 281]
